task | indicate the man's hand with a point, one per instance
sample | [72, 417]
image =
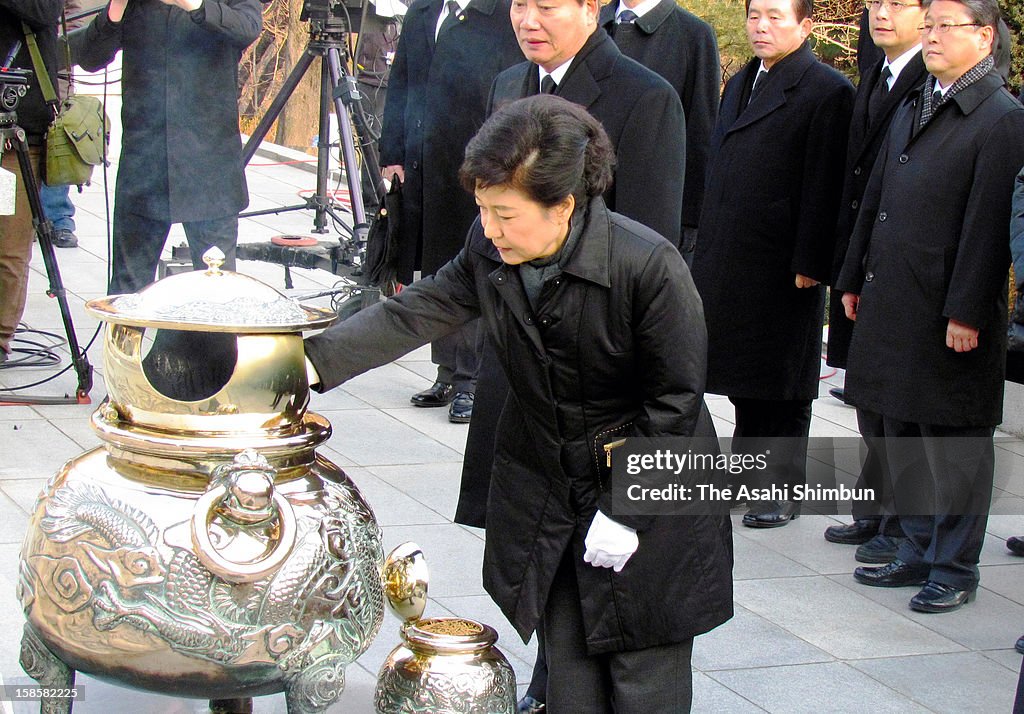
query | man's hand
[395, 169]
[850, 303]
[115, 11]
[961, 337]
[186, 5]
[802, 281]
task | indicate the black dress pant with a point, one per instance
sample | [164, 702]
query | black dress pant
[139, 240]
[942, 478]
[874, 474]
[656, 680]
[457, 356]
[778, 428]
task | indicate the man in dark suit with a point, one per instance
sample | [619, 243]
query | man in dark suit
[883, 87]
[925, 280]
[680, 47]
[569, 55]
[448, 54]
[638, 109]
[766, 241]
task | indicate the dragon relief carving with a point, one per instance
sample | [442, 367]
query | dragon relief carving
[320, 609]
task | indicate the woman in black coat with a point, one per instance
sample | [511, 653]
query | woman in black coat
[600, 331]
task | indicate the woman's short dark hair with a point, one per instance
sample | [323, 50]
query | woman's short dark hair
[545, 147]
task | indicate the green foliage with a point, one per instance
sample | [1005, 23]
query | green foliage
[1013, 13]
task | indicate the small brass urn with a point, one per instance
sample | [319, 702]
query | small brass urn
[205, 550]
[444, 665]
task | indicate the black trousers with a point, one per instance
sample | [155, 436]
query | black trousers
[139, 240]
[457, 356]
[874, 474]
[942, 478]
[656, 680]
[780, 428]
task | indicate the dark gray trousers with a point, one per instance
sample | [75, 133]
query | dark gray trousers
[139, 240]
[656, 680]
[457, 356]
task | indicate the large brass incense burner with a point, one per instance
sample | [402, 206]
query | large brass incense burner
[205, 550]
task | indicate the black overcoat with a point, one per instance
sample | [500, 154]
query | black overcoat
[867, 132]
[931, 244]
[436, 102]
[681, 48]
[769, 214]
[643, 118]
[181, 150]
[616, 343]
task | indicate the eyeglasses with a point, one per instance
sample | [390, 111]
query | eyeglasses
[943, 27]
[893, 6]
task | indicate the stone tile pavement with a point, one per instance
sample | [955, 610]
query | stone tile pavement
[805, 638]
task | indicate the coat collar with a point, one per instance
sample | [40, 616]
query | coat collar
[785, 75]
[592, 64]
[967, 99]
[433, 9]
[910, 79]
[648, 23]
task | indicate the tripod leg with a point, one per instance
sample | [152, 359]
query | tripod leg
[323, 151]
[44, 230]
[287, 89]
[348, 152]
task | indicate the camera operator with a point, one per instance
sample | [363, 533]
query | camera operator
[16, 232]
[181, 153]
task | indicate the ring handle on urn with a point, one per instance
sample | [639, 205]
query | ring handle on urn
[246, 571]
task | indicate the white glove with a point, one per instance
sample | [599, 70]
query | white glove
[609, 544]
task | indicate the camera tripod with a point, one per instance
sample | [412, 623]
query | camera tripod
[10, 131]
[338, 92]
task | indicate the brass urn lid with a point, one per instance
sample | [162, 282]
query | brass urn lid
[405, 579]
[210, 300]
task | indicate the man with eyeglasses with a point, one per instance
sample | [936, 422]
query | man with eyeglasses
[883, 87]
[925, 280]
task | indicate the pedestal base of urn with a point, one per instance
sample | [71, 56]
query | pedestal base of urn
[311, 692]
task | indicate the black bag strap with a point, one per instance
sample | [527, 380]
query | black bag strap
[45, 85]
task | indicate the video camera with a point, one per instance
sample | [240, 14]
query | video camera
[13, 86]
[333, 14]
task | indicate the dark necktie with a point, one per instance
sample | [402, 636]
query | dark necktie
[547, 85]
[937, 98]
[875, 98]
[626, 17]
[453, 17]
[883, 82]
[762, 75]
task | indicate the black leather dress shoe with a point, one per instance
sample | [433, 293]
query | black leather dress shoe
[938, 597]
[1020, 645]
[880, 549]
[461, 410]
[896, 574]
[839, 393]
[439, 395]
[1015, 544]
[860, 531]
[529, 705]
[773, 516]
